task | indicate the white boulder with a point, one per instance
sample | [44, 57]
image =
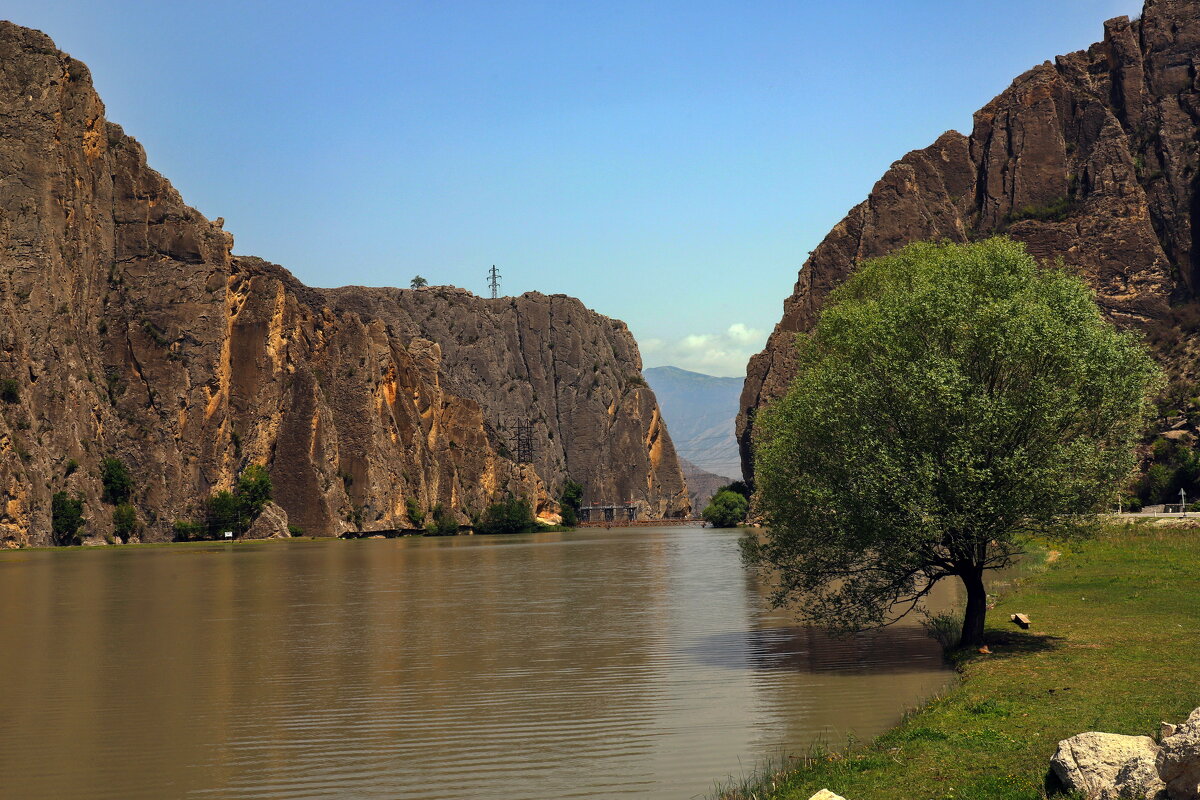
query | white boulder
[1108, 766]
[1178, 760]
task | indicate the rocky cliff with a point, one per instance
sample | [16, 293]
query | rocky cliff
[1093, 159]
[129, 329]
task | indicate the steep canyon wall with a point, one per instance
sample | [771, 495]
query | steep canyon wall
[128, 328]
[1093, 159]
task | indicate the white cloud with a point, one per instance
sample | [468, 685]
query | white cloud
[724, 354]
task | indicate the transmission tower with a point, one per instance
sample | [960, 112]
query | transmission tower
[494, 281]
[524, 436]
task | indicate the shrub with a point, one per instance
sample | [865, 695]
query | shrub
[726, 509]
[295, 530]
[124, 521]
[510, 515]
[253, 492]
[739, 487]
[10, 390]
[415, 515]
[443, 523]
[66, 518]
[570, 501]
[188, 531]
[118, 485]
[944, 628]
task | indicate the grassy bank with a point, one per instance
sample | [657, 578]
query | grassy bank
[1113, 647]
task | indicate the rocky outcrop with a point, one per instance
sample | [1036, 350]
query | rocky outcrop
[1108, 766]
[701, 485]
[129, 329]
[271, 523]
[1178, 761]
[1093, 159]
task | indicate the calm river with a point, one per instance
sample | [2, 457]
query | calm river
[596, 664]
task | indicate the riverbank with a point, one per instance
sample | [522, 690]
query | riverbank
[1112, 648]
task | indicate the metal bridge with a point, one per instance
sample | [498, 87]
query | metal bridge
[603, 511]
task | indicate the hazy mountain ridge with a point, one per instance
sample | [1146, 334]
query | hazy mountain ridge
[701, 411]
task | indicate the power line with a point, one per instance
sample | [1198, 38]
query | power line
[494, 281]
[524, 442]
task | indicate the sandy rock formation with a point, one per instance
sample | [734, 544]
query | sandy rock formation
[271, 523]
[1108, 766]
[129, 329]
[1178, 761]
[1093, 159]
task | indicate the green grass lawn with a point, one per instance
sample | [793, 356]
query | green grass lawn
[1114, 646]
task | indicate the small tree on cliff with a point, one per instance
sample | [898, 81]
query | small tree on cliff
[951, 400]
[417, 282]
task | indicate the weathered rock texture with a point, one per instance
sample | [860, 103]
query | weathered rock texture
[1178, 761]
[1092, 159]
[128, 329]
[1108, 766]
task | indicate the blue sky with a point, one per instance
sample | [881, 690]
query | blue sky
[669, 163]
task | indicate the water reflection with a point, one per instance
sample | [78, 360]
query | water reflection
[636, 663]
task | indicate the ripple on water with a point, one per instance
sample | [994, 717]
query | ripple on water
[600, 664]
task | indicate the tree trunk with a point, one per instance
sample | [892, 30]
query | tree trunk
[972, 632]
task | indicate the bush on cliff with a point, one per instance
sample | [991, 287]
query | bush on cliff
[116, 480]
[124, 521]
[66, 518]
[570, 502]
[951, 401]
[443, 522]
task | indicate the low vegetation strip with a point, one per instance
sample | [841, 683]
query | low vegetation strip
[1113, 646]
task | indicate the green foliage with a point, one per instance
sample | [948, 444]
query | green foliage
[417, 282]
[188, 531]
[945, 628]
[117, 483]
[444, 523]
[295, 530]
[570, 500]
[739, 487]
[71, 466]
[222, 512]
[10, 391]
[1055, 211]
[1173, 466]
[726, 509]
[253, 491]
[124, 521]
[415, 515]
[235, 511]
[510, 515]
[952, 400]
[66, 518]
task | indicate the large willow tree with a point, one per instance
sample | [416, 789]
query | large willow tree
[951, 400]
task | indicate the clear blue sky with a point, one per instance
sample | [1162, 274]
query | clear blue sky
[669, 163]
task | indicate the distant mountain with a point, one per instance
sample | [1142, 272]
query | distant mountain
[701, 484]
[700, 411]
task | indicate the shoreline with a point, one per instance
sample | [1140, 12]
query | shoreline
[1105, 653]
